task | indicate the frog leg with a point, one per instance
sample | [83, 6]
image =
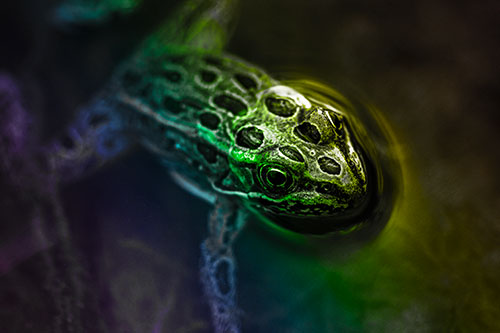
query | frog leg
[89, 12]
[218, 265]
[203, 24]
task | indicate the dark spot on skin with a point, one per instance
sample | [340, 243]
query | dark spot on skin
[172, 105]
[67, 142]
[280, 106]
[246, 81]
[208, 152]
[307, 132]
[222, 276]
[210, 60]
[98, 119]
[208, 76]
[230, 103]
[250, 137]
[329, 165]
[292, 153]
[172, 76]
[210, 120]
[192, 103]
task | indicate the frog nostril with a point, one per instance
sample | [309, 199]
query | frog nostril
[307, 132]
[250, 137]
[329, 165]
[326, 188]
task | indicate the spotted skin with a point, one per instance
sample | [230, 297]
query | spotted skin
[229, 133]
[248, 135]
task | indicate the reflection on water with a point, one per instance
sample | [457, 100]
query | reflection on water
[130, 251]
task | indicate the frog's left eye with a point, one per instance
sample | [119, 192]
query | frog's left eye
[276, 179]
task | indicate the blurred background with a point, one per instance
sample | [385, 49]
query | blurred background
[432, 69]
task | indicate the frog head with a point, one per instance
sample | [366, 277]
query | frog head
[301, 162]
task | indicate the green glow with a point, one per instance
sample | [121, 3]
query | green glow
[367, 290]
[417, 274]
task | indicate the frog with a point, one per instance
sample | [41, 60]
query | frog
[294, 155]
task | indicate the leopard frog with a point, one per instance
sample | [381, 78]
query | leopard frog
[233, 135]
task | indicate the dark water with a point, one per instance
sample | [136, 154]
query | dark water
[430, 66]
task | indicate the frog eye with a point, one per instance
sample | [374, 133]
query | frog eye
[275, 178]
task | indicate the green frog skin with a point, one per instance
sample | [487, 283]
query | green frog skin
[232, 134]
[233, 130]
